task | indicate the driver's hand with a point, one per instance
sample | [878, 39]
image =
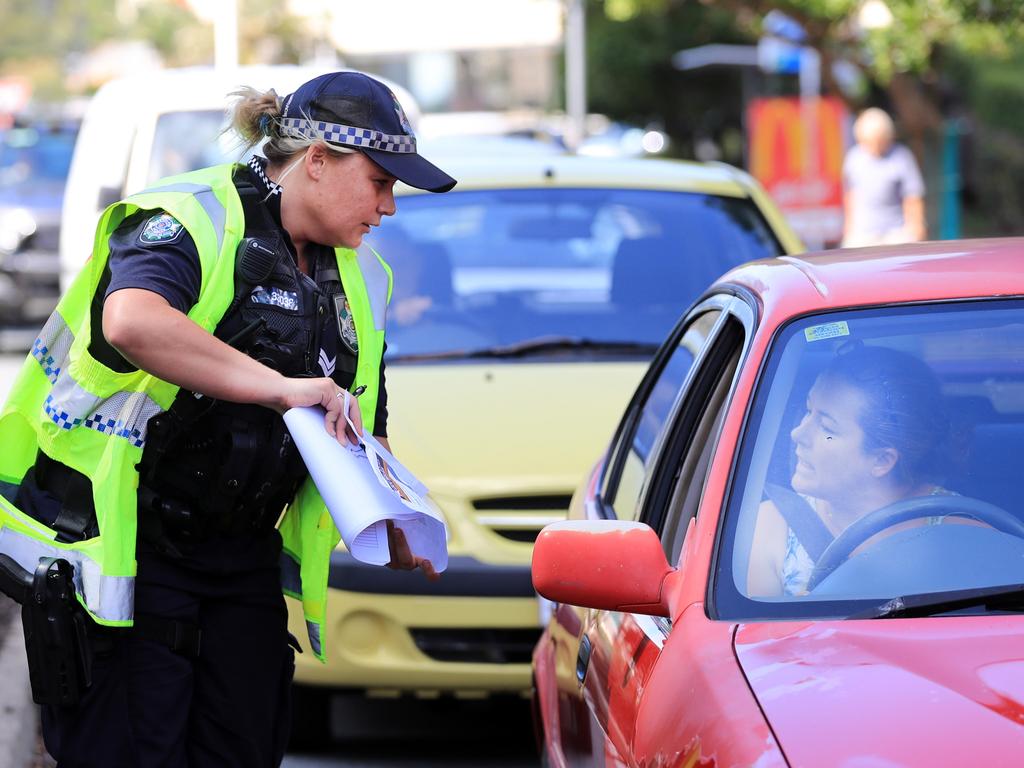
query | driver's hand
[402, 557]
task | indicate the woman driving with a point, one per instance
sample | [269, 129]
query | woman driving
[873, 433]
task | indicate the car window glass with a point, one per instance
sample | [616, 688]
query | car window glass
[481, 269]
[186, 140]
[863, 414]
[691, 469]
[636, 446]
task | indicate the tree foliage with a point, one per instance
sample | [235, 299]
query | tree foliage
[43, 40]
[630, 77]
[903, 45]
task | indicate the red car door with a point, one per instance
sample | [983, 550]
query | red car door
[666, 445]
[626, 647]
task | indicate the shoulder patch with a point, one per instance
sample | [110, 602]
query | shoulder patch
[162, 228]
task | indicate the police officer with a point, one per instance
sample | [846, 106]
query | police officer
[144, 441]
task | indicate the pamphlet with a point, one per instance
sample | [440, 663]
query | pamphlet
[363, 487]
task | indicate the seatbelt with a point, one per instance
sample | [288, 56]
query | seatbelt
[813, 534]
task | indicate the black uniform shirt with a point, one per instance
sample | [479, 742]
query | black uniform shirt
[156, 253]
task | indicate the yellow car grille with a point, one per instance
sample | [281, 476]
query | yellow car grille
[520, 518]
[481, 646]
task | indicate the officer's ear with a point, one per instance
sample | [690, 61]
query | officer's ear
[316, 161]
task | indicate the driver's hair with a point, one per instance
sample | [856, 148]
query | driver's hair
[905, 408]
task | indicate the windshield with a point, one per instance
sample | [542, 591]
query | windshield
[881, 459]
[481, 269]
[185, 141]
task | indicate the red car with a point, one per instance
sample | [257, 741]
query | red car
[805, 543]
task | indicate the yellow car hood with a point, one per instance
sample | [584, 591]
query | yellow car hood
[492, 429]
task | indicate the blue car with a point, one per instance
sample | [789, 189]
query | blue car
[34, 161]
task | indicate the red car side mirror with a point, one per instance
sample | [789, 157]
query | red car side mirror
[612, 565]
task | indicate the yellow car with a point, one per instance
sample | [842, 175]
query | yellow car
[527, 304]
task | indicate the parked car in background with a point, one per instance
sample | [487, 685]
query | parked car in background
[34, 161]
[527, 303]
[138, 129]
[601, 137]
[805, 543]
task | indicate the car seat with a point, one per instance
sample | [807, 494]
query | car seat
[435, 272]
[644, 275]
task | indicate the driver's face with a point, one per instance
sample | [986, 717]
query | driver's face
[829, 443]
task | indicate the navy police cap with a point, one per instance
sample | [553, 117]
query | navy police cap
[353, 110]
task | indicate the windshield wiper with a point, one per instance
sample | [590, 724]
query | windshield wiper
[1006, 597]
[537, 346]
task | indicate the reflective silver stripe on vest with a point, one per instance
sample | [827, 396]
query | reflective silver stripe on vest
[313, 630]
[109, 597]
[376, 279]
[206, 198]
[291, 581]
[53, 345]
[123, 414]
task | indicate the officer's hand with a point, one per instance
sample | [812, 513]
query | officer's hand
[402, 558]
[335, 420]
[326, 393]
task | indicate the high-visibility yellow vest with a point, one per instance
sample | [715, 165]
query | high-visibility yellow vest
[92, 419]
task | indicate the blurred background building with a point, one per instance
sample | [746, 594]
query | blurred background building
[736, 81]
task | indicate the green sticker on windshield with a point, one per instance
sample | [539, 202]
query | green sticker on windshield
[826, 331]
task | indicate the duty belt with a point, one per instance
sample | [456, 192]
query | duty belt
[175, 528]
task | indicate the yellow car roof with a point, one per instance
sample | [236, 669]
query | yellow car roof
[575, 171]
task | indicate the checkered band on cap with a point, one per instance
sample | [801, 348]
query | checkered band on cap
[335, 133]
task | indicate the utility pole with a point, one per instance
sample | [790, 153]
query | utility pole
[575, 73]
[225, 35]
[223, 15]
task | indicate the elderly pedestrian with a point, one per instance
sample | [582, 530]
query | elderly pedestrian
[883, 192]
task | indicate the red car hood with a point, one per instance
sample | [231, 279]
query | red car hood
[896, 692]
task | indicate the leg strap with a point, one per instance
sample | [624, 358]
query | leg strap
[181, 637]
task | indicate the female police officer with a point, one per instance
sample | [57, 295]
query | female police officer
[145, 427]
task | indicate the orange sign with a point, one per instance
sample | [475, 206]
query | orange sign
[796, 152]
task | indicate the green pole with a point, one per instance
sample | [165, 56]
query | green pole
[949, 210]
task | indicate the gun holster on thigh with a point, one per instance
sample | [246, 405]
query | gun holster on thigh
[56, 629]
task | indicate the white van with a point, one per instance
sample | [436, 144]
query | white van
[141, 128]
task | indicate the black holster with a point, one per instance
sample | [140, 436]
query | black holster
[56, 629]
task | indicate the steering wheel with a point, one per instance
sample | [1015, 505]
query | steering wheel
[872, 523]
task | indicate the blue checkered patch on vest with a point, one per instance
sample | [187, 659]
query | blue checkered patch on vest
[97, 421]
[59, 416]
[42, 354]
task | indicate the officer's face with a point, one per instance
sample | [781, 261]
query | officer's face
[352, 194]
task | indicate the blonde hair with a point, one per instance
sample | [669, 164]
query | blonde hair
[255, 116]
[874, 122]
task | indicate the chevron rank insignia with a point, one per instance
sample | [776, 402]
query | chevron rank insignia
[162, 228]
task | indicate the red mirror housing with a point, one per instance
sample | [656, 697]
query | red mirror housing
[613, 565]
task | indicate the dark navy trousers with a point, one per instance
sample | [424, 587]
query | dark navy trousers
[151, 707]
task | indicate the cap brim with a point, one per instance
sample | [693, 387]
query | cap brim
[413, 169]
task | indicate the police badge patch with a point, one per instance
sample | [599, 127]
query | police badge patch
[402, 119]
[162, 228]
[275, 297]
[346, 323]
